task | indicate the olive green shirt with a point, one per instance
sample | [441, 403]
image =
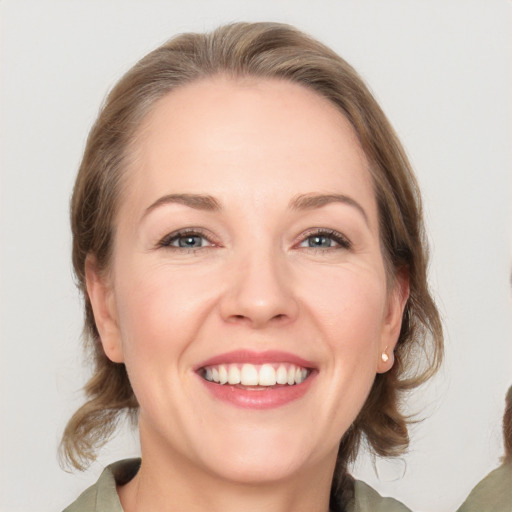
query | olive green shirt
[492, 494]
[103, 497]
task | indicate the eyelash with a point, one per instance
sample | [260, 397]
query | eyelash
[342, 241]
[185, 233]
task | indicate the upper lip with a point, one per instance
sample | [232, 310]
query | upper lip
[252, 357]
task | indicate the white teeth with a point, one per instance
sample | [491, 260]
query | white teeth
[233, 374]
[223, 374]
[265, 375]
[249, 375]
[300, 375]
[291, 376]
[282, 375]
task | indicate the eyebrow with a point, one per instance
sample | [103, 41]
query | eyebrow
[312, 201]
[300, 202]
[196, 201]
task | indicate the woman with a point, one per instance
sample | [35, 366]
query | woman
[248, 239]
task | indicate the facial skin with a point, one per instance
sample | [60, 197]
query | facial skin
[269, 270]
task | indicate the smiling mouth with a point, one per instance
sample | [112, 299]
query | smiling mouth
[254, 376]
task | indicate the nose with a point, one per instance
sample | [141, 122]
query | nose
[260, 292]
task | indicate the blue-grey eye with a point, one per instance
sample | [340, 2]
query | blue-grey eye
[188, 241]
[325, 239]
[319, 241]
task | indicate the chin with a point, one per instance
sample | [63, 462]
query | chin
[258, 471]
[259, 458]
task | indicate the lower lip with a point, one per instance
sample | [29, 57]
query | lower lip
[267, 398]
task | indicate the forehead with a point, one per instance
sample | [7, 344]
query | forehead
[264, 134]
[212, 108]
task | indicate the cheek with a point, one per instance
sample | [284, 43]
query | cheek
[348, 313]
[155, 319]
[349, 307]
[159, 309]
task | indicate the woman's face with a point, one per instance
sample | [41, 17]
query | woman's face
[247, 292]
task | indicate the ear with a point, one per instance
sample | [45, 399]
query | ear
[101, 295]
[397, 299]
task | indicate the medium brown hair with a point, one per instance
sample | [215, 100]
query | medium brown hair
[265, 51]
[507, 427]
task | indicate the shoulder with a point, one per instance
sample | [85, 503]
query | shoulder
[86, 502]
[102, 496]
[367, 499]
[492, 494]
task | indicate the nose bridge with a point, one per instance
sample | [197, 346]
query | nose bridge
[261, 290]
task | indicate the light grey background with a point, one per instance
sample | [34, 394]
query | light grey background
[441, 70]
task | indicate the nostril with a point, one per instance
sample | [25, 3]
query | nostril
[257, 305]
[244, 318]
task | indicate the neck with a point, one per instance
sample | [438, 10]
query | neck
[166, 482]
